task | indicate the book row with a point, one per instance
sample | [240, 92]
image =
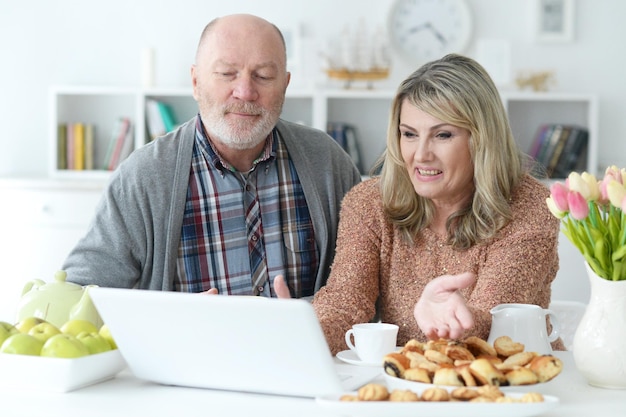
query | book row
[560, 148]
[76, 146]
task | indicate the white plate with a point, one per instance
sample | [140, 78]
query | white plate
[399, 383]
[440, 409]
[58, 374]
[352, 358]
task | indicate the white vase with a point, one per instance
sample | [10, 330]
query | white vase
[599, 345]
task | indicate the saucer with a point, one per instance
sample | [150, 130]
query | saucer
[352, 358]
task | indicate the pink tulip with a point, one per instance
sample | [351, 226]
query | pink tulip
[579, 209]
[558, 193]
[614, 173]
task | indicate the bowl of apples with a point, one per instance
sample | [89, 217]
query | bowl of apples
[36, 354]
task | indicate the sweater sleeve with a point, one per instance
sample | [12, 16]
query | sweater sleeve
[355, 267]
[520, 264]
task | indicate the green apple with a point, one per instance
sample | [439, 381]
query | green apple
[94, 342]
[64, 346]
[28, 323]
[6, 330]
[22, 344]
[44, 331]
[106, 333]
[76, 326]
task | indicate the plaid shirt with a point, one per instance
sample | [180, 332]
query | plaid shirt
[214, 250]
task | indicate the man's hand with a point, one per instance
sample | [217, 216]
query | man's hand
[280, 288]
[441, 311]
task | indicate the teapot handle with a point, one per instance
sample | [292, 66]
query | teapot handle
[556, 325]
[32, 285]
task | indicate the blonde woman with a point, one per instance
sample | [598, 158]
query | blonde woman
[451, 227]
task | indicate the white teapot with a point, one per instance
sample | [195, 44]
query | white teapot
[57, 302]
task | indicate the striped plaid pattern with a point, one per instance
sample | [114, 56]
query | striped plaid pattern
[218, 247]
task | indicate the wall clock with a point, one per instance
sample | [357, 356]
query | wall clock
[423, 30]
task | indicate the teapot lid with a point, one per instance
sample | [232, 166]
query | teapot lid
[60, 283]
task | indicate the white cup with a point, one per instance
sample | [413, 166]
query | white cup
[372, 341]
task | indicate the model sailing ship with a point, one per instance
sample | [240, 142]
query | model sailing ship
[359, 57]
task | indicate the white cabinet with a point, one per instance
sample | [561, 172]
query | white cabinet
[40, 222]
[366, 110]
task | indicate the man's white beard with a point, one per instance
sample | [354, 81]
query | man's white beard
[242, 135]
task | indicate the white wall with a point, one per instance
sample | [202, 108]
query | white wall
[86, 42]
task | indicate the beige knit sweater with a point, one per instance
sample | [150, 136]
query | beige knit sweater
[374, 265]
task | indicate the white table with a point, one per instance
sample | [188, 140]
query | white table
[125, 395]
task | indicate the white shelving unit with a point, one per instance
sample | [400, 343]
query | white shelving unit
[367, 110]
[529, 110]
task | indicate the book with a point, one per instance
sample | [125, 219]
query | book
[167, 115]
[336, 131]
[154, 121]
[89, 146]
[79, 147]
[62, 146]
[549, 145]
[540, 137]
[70, 145]
[573, 153]
[119, 143]
[558, 150]
[117, 136]
[127, 147]
[346, 136]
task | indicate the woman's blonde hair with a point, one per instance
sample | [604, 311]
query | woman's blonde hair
[456, 90]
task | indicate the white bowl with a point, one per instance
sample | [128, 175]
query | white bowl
[58, 374]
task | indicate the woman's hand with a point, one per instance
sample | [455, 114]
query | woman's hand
[280, 288]
[441, 311]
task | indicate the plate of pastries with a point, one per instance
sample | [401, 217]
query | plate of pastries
[375, 400]
[470, 362]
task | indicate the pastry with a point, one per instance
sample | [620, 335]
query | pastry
[518, 359]
[464, 394]
[417, 375]
[403, 395]
[438, 345]
[489, 391]
[373, 392]
[447, 376]
[435, 394]
[466, 375]
[413, 345]
[532, 397]
[457, 352]
[521, 376]
[348, 397]
[505, 346]
[486, 373]
[437, 357]
[395, 364]
[546, 367]
[478, 346]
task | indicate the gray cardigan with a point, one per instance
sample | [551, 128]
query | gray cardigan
[133, 238]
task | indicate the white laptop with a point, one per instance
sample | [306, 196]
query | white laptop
[237, 343]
